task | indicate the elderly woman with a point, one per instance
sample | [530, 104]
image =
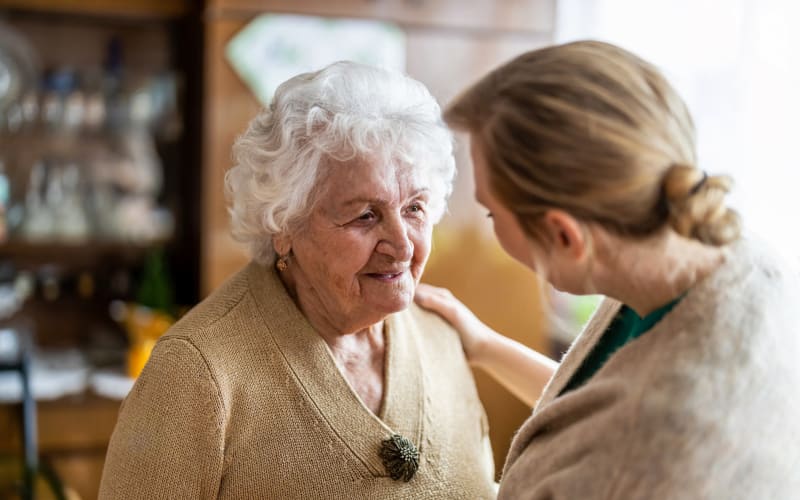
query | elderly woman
[307, 375]
[684, 383]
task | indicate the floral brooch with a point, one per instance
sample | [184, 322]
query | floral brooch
[400, 457]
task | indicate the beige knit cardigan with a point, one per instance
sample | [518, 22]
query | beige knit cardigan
[706, 405]
[242, 399]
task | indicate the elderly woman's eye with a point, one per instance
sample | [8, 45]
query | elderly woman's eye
[415, 208]
[366, 216]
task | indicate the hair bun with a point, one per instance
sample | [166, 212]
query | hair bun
[697, 207]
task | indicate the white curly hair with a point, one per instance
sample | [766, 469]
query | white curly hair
[346, 111]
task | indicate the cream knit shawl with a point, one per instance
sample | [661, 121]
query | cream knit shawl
[706, 405]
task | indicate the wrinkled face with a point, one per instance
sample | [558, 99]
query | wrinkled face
[365, 246]
[506, 227]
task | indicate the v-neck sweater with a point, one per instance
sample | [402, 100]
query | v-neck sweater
[243, 399]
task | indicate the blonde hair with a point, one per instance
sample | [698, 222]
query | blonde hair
[594, 130]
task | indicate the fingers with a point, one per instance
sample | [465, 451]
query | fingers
[422, 294]
[427, 290]
[434, 296]
[431, 290]
[440, 301]
[426, 295]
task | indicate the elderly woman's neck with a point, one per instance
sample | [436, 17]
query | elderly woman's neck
[359, 349]
[340, 331]
[649, 273]
[348, 340]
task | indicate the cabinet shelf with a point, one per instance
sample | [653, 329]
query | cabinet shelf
[154, 9]
[74, 255]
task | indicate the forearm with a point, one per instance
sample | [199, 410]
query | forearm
[520, 369]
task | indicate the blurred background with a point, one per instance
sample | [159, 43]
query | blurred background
[117, 119]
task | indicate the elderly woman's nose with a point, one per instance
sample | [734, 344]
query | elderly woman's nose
[395, 240]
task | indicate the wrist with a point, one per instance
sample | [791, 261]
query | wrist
[481, 349]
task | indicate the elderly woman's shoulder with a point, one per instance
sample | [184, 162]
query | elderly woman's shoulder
[434, 330]
[213, 313]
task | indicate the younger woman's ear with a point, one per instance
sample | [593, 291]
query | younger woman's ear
[566, 233]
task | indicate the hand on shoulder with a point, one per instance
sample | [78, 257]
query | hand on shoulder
[473, 332]
[520, 369]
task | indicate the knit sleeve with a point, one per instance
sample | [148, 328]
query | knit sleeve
[169, 438]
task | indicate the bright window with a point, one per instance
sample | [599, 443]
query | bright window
[737, 64]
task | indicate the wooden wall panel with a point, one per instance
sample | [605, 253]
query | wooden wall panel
[528, 16]
[447, 62]
[229, 106]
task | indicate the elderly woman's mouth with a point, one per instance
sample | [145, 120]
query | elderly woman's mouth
[387, 277]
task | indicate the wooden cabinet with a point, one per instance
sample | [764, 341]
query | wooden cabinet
[73, 435]
[156, 36]
[141, 9]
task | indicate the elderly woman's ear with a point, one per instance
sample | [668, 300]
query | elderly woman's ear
[282, 244]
